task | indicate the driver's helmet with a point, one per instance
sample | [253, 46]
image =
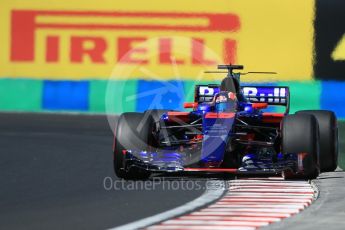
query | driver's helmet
[224, 102]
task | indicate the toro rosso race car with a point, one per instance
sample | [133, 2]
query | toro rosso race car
[228, 131]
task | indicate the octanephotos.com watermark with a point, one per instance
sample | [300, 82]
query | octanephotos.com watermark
[162, 183]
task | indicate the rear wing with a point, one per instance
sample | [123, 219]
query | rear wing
[272, 95]
[205, 93]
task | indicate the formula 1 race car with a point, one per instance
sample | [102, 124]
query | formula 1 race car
[228, 131]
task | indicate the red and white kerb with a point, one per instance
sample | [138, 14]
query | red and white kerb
[248, 204]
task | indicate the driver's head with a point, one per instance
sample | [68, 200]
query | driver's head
[224, 101]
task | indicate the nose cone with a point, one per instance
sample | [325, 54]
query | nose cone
[217, 128]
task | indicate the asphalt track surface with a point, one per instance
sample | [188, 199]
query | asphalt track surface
[52, 171]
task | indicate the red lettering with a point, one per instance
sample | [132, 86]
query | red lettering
[22, 35]
[95, 53]
[126, 50]
[165, 52]
[198, 49]
[24, 26]
[230, 49]
[52, 49]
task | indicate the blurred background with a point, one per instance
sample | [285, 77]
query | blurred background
[76, 56]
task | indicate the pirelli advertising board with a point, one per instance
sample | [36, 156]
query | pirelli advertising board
[86, 39]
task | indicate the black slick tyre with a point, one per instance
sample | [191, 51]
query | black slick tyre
[133, 132]
[300, 135]
[328, 138]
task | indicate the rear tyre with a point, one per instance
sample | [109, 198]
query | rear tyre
[133, 132]
[328, 138]
[300, 135]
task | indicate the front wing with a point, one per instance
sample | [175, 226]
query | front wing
[174, 162]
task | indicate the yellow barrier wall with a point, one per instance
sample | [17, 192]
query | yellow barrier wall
[85, 39]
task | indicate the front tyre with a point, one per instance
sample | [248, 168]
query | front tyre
[133, 132]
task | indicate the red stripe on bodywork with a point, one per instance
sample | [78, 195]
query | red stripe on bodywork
[272, 117]
[220, 115]
[229, 170]
[259, 105]
[178, 116]
[192, 105]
